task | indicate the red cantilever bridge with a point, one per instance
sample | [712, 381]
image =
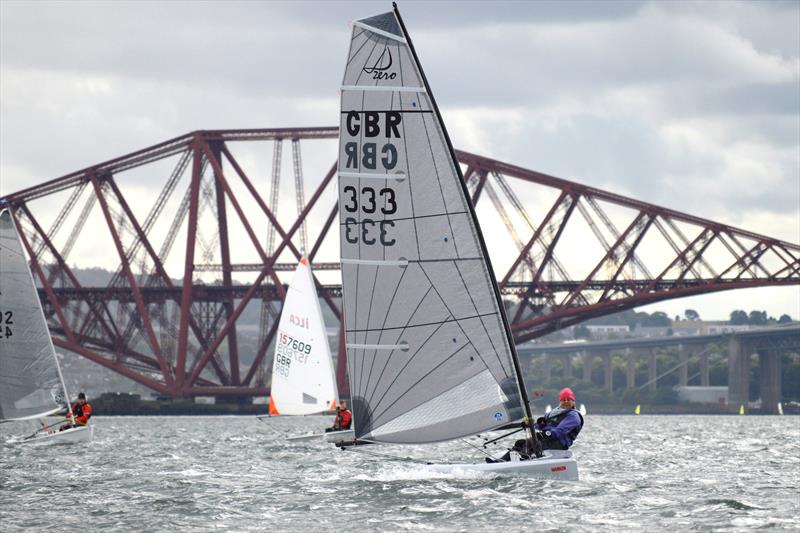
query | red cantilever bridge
[201, 266]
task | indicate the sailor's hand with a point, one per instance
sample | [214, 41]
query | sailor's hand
[540, 420]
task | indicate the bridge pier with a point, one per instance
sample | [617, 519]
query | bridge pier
[683, 371]
[652, 370]
[567, 362]
[588, 359]
[630, 370]
[738, 373]
[609, 377]
[704, 373]
[770, 382]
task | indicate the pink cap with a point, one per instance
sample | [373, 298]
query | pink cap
[566, 394]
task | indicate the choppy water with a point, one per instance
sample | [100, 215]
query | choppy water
[237, 474]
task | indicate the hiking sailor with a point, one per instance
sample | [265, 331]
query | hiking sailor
[556, 430]
[343, 418]
[560, 427]
[81, 412]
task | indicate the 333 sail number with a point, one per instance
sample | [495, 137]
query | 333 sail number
[369, 205]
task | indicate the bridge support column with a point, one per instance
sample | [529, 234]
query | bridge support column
[609, 377]
[630, 375]
[652, 370]
[770, 363]
[567, 361]
[704, 374]
[683, 372]
[738, 373]
[588, 359]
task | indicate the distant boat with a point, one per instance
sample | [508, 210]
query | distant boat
[32, 384]
[548, 409]
[780, 408]
[303, 381]
[638, 410]
[582, 410]
[741, 409]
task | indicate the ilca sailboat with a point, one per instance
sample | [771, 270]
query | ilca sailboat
[31, 384]
[303, 380]
[429, 349]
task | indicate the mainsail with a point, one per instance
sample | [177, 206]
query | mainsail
[30, 384]
[429, 352]
[302, 372]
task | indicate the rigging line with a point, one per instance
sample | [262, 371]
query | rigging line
[399, 372]
[485, 330]
[484, 452]
[380, 337]
[452, 319]
[420, 380]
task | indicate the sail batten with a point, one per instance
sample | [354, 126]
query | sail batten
[424, 325]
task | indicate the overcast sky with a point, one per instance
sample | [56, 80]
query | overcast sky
[689, 105]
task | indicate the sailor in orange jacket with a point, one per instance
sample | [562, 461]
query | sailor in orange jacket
[343, 418]
[81, 413]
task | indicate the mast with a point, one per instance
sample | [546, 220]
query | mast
[520, 383]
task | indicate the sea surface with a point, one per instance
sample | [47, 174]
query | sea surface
[638, 473]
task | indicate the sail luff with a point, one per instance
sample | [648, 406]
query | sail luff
[481, 240]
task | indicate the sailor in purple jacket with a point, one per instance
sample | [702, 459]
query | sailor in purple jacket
[556, 430]
[560, 427]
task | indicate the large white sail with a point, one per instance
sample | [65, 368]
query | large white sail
[29, 378]
[302, 371]
[428, 350]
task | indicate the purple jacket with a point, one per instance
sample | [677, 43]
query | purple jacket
[563, 425]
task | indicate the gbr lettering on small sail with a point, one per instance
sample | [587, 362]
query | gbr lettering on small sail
[428, 346]
[30, 385]
[302, 371]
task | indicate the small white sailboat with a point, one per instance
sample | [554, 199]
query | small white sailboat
[547, 409]
[583, 409]
[32, 386]
[303, 379]
[429, 349]
[780, 408]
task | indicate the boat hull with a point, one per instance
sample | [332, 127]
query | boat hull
[334, 437]
[68, 436]
[555, 464]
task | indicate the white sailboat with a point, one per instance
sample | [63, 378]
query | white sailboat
[429, 349]
[583, 409]
[31, 384]
[303, 379]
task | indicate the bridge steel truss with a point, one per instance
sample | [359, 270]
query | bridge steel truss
[179, 337]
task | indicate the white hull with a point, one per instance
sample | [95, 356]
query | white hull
[330, 436]
[555, 464]
[347, 435]
[68, 436]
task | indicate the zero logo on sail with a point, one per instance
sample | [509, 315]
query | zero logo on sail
[378, 70]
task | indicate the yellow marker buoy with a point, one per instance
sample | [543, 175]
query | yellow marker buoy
[638, 410]
[741, 409]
